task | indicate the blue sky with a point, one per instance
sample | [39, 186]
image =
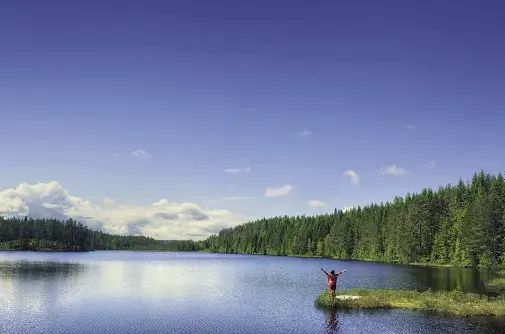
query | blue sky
[297, 91]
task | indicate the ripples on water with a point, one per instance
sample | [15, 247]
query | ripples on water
[128, 292]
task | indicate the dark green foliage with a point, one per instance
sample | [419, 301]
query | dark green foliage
[458, 225]
[33, 245]
[50, 234]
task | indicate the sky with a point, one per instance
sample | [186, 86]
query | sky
[175, 119]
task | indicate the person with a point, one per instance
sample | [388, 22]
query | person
[332, 280]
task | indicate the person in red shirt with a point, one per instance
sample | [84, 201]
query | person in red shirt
[332, 280]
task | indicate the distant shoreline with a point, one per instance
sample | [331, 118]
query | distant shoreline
[414, 264]
[46, 250]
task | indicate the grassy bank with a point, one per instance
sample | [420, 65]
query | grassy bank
[497, 285]
[449, 302]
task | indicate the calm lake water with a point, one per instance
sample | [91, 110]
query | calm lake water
[137, 292]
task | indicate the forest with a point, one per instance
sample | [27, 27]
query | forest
[53, 235]
[460, 225]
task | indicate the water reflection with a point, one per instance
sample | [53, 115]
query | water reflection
[45, 281]
[39, 270]
[332, 323]
[169, 280]
[375, 275]
[452, 278]
[126, 292]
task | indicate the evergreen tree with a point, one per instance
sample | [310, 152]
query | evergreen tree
[459, 225]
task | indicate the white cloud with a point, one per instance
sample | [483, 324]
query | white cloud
[116, 154]
[392, 170]
[410, 126]
[316, 203]
[161, 220]
[278, 191]
[353, 176]
[238, 170]
[238, 198]
[141, 153]
[347, 208]
[107, 200]
[431, 164]
[305, 132]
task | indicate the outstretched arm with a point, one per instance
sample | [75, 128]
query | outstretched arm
[324, 271]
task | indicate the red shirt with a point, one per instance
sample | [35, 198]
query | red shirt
[332, 279]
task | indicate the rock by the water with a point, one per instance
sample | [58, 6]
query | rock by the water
[347, 297]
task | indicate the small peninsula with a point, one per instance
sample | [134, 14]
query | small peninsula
[454, 302]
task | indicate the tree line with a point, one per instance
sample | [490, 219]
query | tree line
[70, 235]
[458, 224]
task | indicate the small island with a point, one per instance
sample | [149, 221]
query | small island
[449, 302]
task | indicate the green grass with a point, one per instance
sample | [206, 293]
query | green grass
[450, 302]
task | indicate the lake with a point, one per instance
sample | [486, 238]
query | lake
[141, 292]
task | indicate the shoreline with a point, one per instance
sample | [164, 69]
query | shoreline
[413, 264]
[45, 250]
